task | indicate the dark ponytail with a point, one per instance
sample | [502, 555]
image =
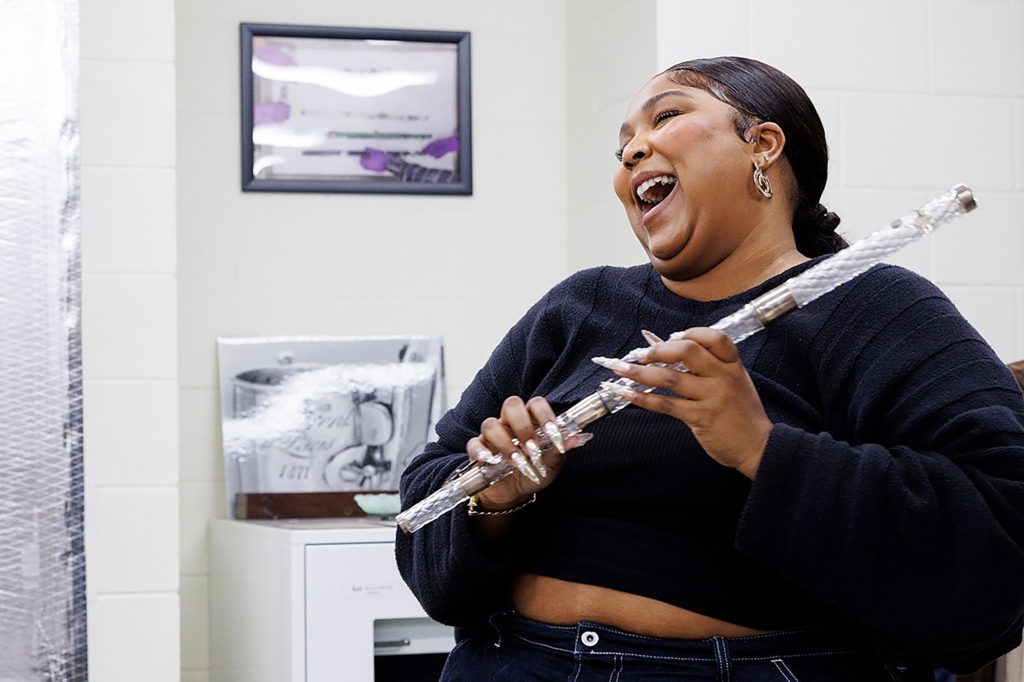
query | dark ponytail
[759, 93]
[815, 231]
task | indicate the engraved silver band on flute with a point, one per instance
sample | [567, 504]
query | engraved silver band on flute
[774, 304]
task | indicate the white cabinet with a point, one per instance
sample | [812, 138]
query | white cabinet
[313, 601]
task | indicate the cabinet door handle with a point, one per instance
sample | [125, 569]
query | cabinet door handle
[391, 644]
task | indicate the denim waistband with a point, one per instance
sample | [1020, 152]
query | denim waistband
[595, 640]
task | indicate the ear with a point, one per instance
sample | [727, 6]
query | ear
[768, 141]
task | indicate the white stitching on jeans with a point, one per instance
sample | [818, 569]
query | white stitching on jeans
[719, 645]
[784, 669]
[616, 669]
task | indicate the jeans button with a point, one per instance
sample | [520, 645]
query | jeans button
[589, 638]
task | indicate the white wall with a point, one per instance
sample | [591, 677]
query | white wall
[278, 264]
[130, 338]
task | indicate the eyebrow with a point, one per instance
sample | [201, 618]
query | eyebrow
[653, 101]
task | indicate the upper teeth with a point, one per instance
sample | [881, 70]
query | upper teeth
[647, 184]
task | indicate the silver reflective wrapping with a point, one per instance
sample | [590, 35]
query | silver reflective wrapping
[42, 571]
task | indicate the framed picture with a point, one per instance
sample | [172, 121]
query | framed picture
[368, 110]
[326, 415]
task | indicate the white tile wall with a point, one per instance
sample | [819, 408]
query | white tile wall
[540, 17]
[128, 113]
[518, 94]
[992, 311]
[212, 269]
[927, 141]
[130, 214]
[195, 624]
[985, 247]
[131, 540]
[624, 50]
[209, 161]
[130, 338]
[691, 29]
[134, 635]
[136, 31]
[1019, 355]
[208, 78]
[200, 502]
[453, 15]
[131, 438]
[580, 13]
[199, 435]
[129, 326]
[977, 48]
[882, 45]
[1019, 135]
[611, 52]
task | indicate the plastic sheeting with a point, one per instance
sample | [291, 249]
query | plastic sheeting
[42, 570]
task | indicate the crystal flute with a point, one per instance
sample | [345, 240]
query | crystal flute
[795, 292]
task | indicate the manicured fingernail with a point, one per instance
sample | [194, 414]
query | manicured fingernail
[650, 337]
[613, 364]
[555, 436]
[636, 354]
[524, 467]
[537, 458]
[488, 457]
[618, 390]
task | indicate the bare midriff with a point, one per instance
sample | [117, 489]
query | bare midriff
[559, 602]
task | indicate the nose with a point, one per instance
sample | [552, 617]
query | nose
[636, 150]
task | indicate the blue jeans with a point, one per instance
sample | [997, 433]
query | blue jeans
[516, 649]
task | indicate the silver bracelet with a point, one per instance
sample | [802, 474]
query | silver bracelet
[474, 509]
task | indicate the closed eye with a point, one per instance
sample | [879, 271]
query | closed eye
[664, 115]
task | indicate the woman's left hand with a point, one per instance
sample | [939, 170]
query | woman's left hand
[715, 398]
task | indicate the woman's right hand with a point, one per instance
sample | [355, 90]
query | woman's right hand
[512, 437]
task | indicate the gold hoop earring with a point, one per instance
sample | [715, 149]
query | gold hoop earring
[761, 181]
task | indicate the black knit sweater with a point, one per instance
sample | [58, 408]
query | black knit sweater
[890, 496]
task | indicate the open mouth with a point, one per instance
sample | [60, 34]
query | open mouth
[652, 192]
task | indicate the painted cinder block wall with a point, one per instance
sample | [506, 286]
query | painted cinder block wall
[130, 338]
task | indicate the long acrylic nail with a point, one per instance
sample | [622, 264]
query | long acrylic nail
[536, 457]
[488, 457]
[636, 355]
[524, 467]
[650, 337]
[613, 364]
[618, 390]
[555, 436]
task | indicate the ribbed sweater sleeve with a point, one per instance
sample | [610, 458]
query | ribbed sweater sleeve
[907, 516]
[458, 580]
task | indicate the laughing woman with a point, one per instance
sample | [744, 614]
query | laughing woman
[840, 498]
